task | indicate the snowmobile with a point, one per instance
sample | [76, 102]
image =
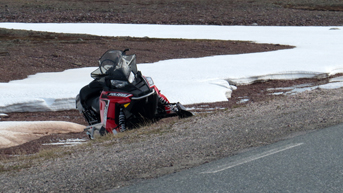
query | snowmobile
[120, 97]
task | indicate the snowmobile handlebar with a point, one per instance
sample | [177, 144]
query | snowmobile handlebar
[126, 50]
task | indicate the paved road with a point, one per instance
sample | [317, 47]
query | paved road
[307, 163]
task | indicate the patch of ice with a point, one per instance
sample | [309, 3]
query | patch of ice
[332, 85]
[277, 93]
[279, 76]
[243, 101]
[68, 142]
[336, 79]
[290, 88]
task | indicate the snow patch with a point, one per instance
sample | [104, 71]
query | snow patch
[16, 133]
[68, 142]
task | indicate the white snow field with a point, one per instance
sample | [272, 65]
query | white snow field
[318, 50]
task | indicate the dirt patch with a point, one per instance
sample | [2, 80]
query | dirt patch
[317, 7]
[69, 116]
[204, 12]
[320, 6]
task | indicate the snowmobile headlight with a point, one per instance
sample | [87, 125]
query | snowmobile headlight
[131, 77]
[119, 83]
[149, 80]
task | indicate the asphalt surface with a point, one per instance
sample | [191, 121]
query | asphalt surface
[308, 163]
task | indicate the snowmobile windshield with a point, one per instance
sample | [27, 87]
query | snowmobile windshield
[116, 65]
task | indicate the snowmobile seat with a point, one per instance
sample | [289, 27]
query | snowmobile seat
[89, 95]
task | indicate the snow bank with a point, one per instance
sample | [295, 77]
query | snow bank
[17, 133]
